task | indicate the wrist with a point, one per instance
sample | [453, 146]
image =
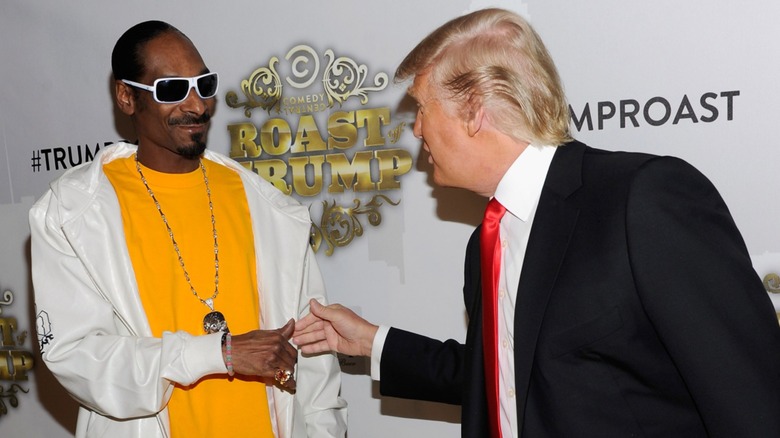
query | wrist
[368, 342]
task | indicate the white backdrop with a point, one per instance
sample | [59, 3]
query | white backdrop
[695, 79]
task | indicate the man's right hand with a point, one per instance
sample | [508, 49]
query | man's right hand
[263, 352]
[334, 328]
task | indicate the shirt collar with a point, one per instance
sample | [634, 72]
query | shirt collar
[521, 186]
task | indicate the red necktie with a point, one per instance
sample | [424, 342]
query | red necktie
[490, 253]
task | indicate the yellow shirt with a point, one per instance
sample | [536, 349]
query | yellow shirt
[215, 406]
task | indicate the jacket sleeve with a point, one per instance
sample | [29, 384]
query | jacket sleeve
[417, 367]
[104, 362]
[698, 287]
[319, 376]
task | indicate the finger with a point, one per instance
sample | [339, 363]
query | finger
[332, 312]
[284, 379]
[290, 384]
[314, 327]
[309, 337]
[316, 308]
[316, 347]
[280, 362]
[305, 322]
[288, 356]
[288, 329]
[314, 303]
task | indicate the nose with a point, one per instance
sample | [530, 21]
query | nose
[417, 129]
[193, 103]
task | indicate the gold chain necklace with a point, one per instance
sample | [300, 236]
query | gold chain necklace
[214, 321]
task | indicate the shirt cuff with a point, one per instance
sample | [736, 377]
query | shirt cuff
[376, 350]
[188, 357]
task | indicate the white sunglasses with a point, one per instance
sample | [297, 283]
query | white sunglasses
[175, 90]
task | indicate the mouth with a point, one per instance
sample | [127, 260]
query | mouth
[428, 151]
[192, 127]
[191, 124]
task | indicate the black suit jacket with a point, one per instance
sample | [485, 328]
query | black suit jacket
[638, 314]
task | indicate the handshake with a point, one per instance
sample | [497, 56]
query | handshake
[269, 354]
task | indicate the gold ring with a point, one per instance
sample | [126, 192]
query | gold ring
[282, 376]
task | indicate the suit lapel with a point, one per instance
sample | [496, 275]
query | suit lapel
[549, 239]
[474, 420]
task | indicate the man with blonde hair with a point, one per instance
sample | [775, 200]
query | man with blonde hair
[609, 294]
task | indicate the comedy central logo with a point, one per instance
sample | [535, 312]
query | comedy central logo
[314, 135]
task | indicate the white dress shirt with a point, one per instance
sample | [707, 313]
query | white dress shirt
[519, 191]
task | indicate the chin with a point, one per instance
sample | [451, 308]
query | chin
[192, 151]
[439, 181]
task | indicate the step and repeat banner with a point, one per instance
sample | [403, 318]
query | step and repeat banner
[307, 101]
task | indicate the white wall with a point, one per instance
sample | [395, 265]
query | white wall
[55, 94]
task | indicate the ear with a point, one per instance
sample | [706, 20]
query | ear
[125, 98]
[477, 120]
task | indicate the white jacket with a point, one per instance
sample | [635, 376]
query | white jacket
[101, 347]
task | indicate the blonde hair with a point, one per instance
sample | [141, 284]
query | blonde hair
[495, 59]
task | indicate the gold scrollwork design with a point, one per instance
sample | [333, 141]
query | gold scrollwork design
[263, 90]
[21, 338]
[7, 300]
[772, 283]
[395, 133]
[343, 78]
[11, 396]
[340, 225]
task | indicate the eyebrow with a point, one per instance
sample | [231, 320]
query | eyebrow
[202, 72]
